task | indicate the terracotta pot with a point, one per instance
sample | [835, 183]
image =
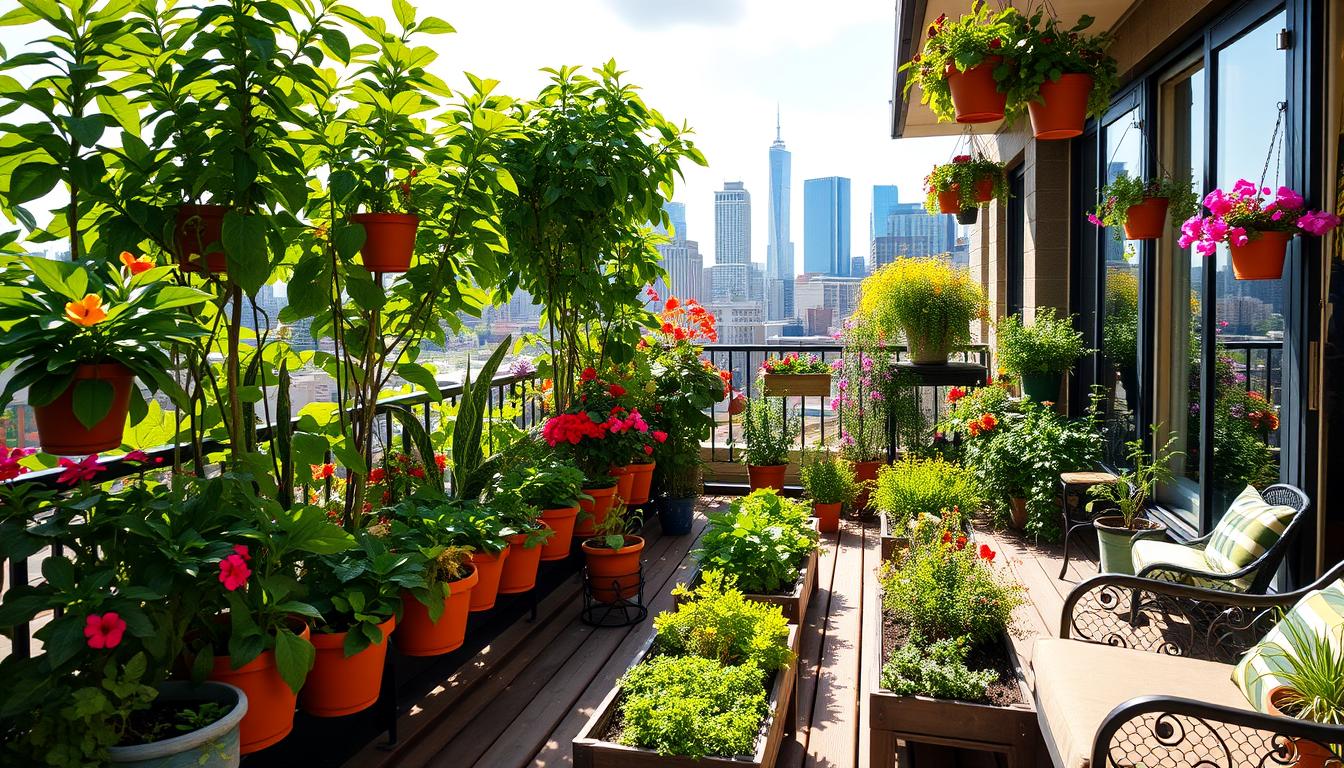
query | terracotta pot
[593, 511]
[737, 405]
[613, 574]
[770, 476]
[62, 434]
[828, 516]
[949, 200]
[520, 568]
[270, 702]
[389, 240]
[624, 483]
[1146, 220]
[490, 567]
[641, 482]
[1062, 109]
[925, 351]
[1017, 512]
[417, 635]
[343, 685]
[866, 473]
[975, 94]
[984, 189]
[195, 228]
[560, 520]
[1310, 754]
[1262, 257]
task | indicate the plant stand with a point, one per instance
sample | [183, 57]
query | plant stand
[949, 374]
[624, 612]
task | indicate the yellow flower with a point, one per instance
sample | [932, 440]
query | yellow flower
[87, 311]
[136, 266]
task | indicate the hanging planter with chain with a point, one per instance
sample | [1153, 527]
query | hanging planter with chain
[963, 185]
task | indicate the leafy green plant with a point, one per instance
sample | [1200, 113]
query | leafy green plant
[1136, 484]
[1043, 49]
[947, 589]
[357, 590]
[692, 706]
[1049, 345]
[794, 364]
[925, 297]
[1125, 191]
[718, 622]
[964, 174]
[913, 487]
[769, 429]
[620, 523]
[1312, 673]
[827, 478]
[960, 43]
[543, 478]
[937, 669]
[761, 541]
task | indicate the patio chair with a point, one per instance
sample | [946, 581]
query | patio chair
[1161, 691]
[1243, 551]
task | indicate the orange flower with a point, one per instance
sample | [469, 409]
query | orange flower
[87, 311]
[973, 426]
[988, 421]
[136, 265]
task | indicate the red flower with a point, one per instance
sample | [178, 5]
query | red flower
[241, 551]
[137, 455]
[323, 471]
[988, 421]
[660, 435]
[104, 631]
[376, 475]
[79, 471]
[959, 159]
[588, 374]
[418, 473]
[667, 327]
[954, 394]
[973, 426]
[648, 450]
[995, 44]
[233, 572]
[9, 462]
[961, 542]
[440, 461]
[1047, 40]
[616, 390]
[672, 304]
[986, 553]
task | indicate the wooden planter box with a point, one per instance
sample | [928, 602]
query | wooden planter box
[793, 604]
[891, 545]
[590, 751]
[797, 385]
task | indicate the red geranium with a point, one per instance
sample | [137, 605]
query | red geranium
[105, 631]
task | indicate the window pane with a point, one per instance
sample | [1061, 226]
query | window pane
[1120, 312]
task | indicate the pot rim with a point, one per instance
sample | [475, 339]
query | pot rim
[322, 640]
[1151, 525]
[177, 745]
[603, 551]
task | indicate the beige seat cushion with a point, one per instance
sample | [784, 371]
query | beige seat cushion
[1078, 684]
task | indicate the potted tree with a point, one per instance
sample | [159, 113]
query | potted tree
[1142, 207]
[795, 375]
[1040, 353]
[1255, 228]
[963, 185]
[768, 431]
[961, 67]
[1309, 668]
[612, 556]
[928, 300]
[828, 480]
[1062, 74]
[78, 339]
[1129, 496]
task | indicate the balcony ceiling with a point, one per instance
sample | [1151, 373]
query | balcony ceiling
[910, 118]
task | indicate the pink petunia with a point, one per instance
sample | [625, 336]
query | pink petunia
[1244, 188]
[660, 436]
[233, 572]
[136, 455]
[79, 471]
[1317, 222]
[103, 632]
[1289, 198]
[1094, 219]
[1237, 236]
[1218, 203]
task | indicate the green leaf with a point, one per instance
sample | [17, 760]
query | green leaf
[349, 458]
[85, 130]
[31, 181]
[59, 573]
[368, 294]
[422, 377]
[63, 638]
[46, 389]
[404, 11]
[433, 25]
[293, 657]
[348, 239]
[244, 239]
[309, 449]
[92, 401]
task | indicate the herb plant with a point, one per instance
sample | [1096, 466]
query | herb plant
[1049, 345]
[914, 487]
[719, 623]
[769, 429]
[827, 478]
[1136, 484]
[1313, 672]
[947, 589]
[761, 541]
[619, 523]
[936, 669]
[1125, 191]
[692, 706]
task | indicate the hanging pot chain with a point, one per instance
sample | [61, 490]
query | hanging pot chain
[1275, 143]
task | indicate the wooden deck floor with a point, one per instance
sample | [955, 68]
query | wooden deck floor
[525, 696]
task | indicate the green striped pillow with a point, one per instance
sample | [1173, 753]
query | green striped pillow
[1321, 612]
[1250, 527]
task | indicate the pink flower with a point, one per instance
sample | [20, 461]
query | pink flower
[1288, 198]
[1276, 216]
[233, 572]
[136, 455]
[1206, 248]
[102, 632]
[648, 450]
[241, 551]
[1215, 229]
[1094, 219]
[1218, 203]
[660, 436]
[10, 467]
[79, 471]
[1317, 222]
[1237, 236]
[1244, 188]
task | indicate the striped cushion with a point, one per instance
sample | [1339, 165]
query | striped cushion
[1148, 552]
[1250, 527]
[1320, 612]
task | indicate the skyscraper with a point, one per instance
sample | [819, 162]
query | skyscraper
[909, 230]
[677, 213]
[779, 251]
[732, 241]
[826, 226]
[885, 198]
[685, 270]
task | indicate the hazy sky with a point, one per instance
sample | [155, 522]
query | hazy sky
[721, 66]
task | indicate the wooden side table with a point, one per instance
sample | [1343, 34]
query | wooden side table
[1073, 487]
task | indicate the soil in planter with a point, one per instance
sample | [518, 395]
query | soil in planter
[169, 719]
[1002, 692]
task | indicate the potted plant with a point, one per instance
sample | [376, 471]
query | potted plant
[546, 481]
[829, 481]
[1040, 353]
[198, 234]
[961, 186]
[1062, 74]
[861, 403]
[1310, 680]
[612, 556]
[913, 488]
[434, 614]
[796, 375]
[961, 66]
[78, 340]
[589, 433]
[1256, 229]
[768, 431]
[526, 535]
[928, 300]
[1129, 496]
[1141, 207]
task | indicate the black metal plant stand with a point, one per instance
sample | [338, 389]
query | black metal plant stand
[624, 611]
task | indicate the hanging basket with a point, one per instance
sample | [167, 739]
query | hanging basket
[968, 216]
[389, 240]
[1146, 220]
[975, 95]
[1062, 108]
[984, 189]
[1262, 257]
[195, 229]
[949, 200]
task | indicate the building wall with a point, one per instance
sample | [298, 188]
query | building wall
[826, 222]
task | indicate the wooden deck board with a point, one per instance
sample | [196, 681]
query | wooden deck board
[810, 653]
[832, 739]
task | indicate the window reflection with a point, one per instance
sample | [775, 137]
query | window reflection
[1120, 310]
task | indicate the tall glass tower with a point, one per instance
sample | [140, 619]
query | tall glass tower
[779, 249]
[732, 241]
[826, 226]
